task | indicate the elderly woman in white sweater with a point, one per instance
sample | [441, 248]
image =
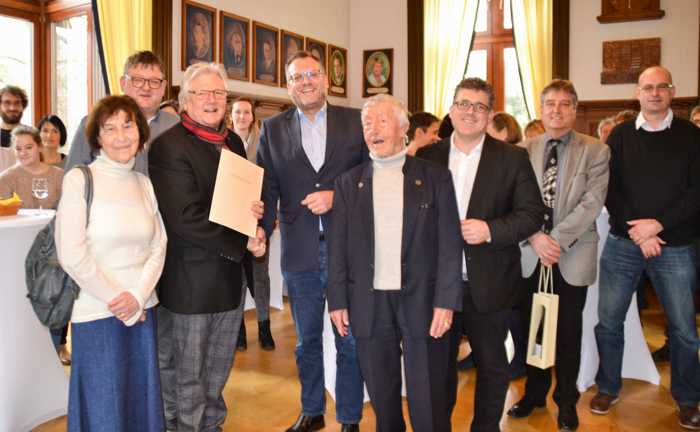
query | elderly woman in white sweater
[116, 260]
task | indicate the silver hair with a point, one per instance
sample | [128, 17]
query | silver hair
[195, 70]
[400, 110]
[603, 122]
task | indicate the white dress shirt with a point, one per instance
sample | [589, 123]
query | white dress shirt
[463, 168]
[641, 122]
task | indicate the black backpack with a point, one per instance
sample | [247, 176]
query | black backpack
[50, 290]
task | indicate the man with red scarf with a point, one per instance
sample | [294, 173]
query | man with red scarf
[200, 289]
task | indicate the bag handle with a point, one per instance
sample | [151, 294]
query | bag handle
[88, 190]
[546, 282]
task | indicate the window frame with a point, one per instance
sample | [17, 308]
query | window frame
[494, 41]
[42, 15]
[32, 13]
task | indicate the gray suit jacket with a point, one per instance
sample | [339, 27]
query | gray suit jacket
[580, 200]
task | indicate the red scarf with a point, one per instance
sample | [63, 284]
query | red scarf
[205, 133]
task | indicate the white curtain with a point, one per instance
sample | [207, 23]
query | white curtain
[448, 29]
[532, 33]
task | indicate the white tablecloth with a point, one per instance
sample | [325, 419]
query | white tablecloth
[33, 384]
[636, 362]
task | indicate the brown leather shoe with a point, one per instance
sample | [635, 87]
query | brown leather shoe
[64, 355]
[689, 417]
[601, 403]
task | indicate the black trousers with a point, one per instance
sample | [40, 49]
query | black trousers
[572, 299]
[487, 334]
[425, 360]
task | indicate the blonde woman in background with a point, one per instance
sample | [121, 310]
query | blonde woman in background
[30, 169]
[256, 270]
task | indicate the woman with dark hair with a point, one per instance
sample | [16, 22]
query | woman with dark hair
[116, 257]
[505, 127]
[53, 135]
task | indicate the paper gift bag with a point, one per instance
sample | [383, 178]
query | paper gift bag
[542, 338]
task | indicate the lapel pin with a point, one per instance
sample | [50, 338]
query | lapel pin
[360, 185]
[419, 182]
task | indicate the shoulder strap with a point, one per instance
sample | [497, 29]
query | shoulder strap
[88, 190]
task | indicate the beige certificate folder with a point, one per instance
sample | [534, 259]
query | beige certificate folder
[238, 184]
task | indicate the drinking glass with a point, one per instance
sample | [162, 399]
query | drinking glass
[40, 190]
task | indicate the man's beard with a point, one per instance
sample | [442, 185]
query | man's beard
[10, 118]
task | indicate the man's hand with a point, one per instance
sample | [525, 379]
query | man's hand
[123, 306]
[319, 202]
[258, 208]
[475, 231]
[341, 321]
[257, 245]
[652, 247]
[442, 321]
[546, 248]
[643, 229]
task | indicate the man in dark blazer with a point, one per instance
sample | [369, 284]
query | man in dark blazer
[499, 206]
[394, 270]
[200, 288]
[303, 150]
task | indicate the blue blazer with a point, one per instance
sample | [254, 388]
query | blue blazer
[289, 177]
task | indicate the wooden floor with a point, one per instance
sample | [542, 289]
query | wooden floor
[263, 393]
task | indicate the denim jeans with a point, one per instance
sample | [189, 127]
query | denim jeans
[307, 297]
[673, 275]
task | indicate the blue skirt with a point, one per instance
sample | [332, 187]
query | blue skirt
[115, 383]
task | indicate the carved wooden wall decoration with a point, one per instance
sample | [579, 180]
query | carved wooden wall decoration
[623, 61]
[629, 10]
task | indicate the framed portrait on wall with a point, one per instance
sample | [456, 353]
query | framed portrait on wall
[198, 33]
[265, 54]
[234, 45]
[377, 71]
[337, 71]
[290, 43]
[317, 49]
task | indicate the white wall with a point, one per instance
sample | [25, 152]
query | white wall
[678, 31]
[378, 24]
[324, 20]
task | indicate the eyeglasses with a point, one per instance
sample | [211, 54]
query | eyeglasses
[138, 82]
[663, 87]
[464, 105]
[204, 94]
[310, 75]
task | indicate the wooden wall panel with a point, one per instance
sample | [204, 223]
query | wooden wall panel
[591, 112]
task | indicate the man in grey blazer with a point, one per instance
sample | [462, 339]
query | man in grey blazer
[572, 173]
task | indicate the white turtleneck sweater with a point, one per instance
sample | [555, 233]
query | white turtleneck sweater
[123, 247]
[387, 197]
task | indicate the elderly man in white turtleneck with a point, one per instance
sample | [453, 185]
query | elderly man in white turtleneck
[395, 256]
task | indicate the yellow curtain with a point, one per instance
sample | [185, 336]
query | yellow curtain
[448, 27]
[125, 27]
[532, 31]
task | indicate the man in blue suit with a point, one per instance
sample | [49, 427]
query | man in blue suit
[303, 150]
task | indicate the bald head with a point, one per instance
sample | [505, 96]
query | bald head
[655, 70]
[655, 91]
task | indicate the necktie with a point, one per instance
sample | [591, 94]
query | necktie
[549, 184]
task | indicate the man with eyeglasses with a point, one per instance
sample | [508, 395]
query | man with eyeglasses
[142, 81]
[200, 288]
[303, 150]
[13, 101]
[499, 206]
[654, 205]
